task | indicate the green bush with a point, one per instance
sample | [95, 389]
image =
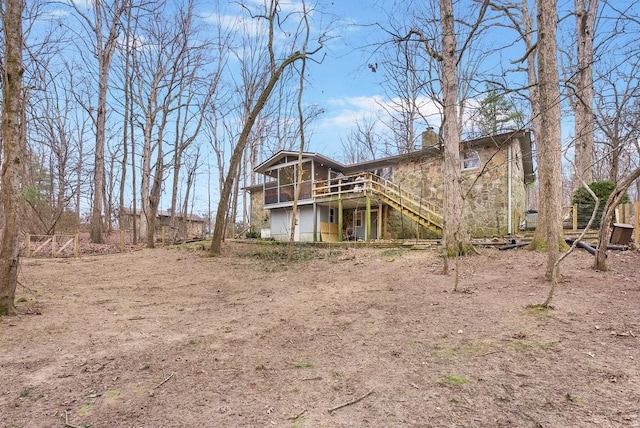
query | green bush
[585, 202]
[252, 234]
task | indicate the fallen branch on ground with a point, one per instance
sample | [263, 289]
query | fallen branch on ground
[333, 409]
[162, 383]
[294, 417]
[66, 421]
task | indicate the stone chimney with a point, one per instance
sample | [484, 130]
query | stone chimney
[429, 138]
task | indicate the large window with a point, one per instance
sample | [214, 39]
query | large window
[470, 160]
[280, 183]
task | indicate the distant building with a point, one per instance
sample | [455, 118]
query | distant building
[183, 229]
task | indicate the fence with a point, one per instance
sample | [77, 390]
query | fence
[625, 213]
[56, 245]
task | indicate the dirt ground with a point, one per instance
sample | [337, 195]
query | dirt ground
[172, 338]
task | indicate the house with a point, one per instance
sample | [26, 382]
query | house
[369, 200]
[183, 229]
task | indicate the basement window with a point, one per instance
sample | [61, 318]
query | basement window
[470, 160]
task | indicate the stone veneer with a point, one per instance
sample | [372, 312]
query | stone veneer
[486, 202]
[260, 218]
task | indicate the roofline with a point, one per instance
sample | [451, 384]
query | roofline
[264, 166]
[254, 187]
[431, 151]
[498, 141]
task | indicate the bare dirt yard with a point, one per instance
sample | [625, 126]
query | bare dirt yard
[341, 337]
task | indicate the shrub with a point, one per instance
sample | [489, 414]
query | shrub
[585, 202]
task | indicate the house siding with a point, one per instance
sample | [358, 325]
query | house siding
[281, 224]
[485, 188]
[486, 205]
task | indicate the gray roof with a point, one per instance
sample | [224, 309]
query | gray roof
[498, 141]
[275, 159]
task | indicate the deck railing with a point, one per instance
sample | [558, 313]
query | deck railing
[355, 185]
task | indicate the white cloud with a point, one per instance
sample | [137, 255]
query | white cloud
[342, 114]
[80, 4]
[55, 14]
[245, 21]
[344, 111]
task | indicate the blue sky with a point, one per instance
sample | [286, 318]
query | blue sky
[342, 85]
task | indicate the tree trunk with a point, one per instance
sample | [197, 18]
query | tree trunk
[146, 175]
[614, 164]
[233, 208]
[13, 152]
[549, 140]
[177, 165]
[78, 194]
[238, 151]
[134, 199]
[99, 176]
[156, 187]
[125, 124]
[585, 13]
[104, 53]
[615, 198]
[453, 226]
[300, 169]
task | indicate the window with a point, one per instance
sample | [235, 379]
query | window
[470, 160]
[332, 216]
[387, 173]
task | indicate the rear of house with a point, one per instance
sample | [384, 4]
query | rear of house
[394, 197]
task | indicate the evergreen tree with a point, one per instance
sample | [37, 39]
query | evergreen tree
[497, 114]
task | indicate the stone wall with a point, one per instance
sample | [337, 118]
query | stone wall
[259, 216]
[486, 203]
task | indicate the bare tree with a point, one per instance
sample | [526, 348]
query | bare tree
[162, 66]
[53, 133]
[194, 93]
[549, 232]
[271, 78]
[13, 155]
[616, 115]
[363, 143]
[453, 226]
[407, 73]
[521, 19]
[127, 119]
[192, 164]
[302, 125]
[585, 14]
[456, 64]
[101, 24]
[605, 223]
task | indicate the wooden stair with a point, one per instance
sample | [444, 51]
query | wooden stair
[424, 213]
